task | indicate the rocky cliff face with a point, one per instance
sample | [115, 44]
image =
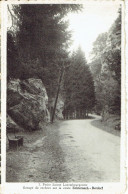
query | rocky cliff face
[27, 104]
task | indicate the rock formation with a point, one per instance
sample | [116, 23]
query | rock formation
[27, 104]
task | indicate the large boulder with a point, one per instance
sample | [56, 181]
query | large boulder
[27, 103]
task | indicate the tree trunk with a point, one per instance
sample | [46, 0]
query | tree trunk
[61, 75]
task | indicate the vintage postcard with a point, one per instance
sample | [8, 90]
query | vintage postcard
[63, 97]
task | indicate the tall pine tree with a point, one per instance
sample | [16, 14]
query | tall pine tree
[42, 40]
[79, 87]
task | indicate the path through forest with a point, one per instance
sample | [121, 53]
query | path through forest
[70, 151]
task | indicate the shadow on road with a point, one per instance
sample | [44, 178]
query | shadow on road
[104, 127]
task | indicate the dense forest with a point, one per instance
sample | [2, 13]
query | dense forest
[37, 47]
[106, 69]
[63, 105]
[79, 87]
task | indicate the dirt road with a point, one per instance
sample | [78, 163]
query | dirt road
[70, 151]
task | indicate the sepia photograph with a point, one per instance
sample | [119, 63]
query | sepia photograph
[63, 112]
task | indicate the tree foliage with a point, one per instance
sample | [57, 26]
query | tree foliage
[106, 68]
[42, 40]
[12, 56]
[112, 53]
[79, 85]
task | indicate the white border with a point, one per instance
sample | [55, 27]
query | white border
[10, 188]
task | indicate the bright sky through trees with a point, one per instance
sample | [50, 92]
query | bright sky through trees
[96, 18]
[92, 21]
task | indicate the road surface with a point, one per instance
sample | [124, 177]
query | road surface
[71, 151]
[91, 154]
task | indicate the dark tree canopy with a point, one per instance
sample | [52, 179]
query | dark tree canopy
[79, 84]
[42, 41]
[12, 56]
[42, 31]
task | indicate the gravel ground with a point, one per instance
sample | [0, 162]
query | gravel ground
[39, 160]
[67, 151]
